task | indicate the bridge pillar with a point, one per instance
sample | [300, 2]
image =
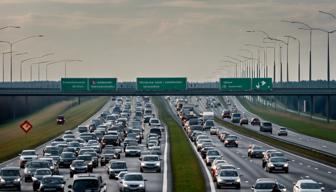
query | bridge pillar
[13, 107]
[328, 108]
[79, 100]
[312, 106]
[298, 104]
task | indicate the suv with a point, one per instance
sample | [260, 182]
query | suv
[87, 182]
[11, 177]
[266, 184]
[235, 117]
[266, 127]
[27, 155]
[60, 120]
[114, 167]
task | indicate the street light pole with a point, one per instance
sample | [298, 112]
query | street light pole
[66, 61]
[299, 55]
[249, 66]
[11, 50]
[25, 60]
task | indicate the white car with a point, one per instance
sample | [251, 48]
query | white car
[307, 185]
[133, 182]
[266, 185]
[27, 155]
[228, 177]
[150, 163]
[154, 122]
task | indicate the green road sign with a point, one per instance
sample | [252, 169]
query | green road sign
[235, 84]
[161, 84]
[102, 84]
[262, 84]
[74, 84]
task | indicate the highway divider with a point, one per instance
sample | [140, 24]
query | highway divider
[186, 172]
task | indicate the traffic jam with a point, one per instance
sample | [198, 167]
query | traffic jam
[121, 149]
[225, 154]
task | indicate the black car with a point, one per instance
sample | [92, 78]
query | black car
[66, 159]
[38, 176]
[52, 183]
[60, 120]
[107, 156]
[11, 177]
[110, 140]
[78, 166]
[87, 182]
[231, 141]
[88, 160]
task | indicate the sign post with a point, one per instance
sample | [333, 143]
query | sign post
[102, 84]
[161, 84]
[235, 84]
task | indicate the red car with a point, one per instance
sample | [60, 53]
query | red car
[60, 120]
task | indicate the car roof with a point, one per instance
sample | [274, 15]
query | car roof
[261, 180]
[10, 168]
[306, 181]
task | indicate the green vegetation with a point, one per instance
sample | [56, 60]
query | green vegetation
[187, 174]
[279, 144]
[300, 124]
[13, 139]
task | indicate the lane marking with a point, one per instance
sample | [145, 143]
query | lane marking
[165, 173]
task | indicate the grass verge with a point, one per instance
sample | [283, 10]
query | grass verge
[280, 144]
[13, 139]
[300, 124]
[186, 171]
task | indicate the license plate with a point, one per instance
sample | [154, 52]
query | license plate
[278, 167]
[229, 183]
[50, 189]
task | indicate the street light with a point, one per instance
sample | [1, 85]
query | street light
[3, 65]
[309, 28]
[10, 26]
[259, 60]
[11, 43]
[249, 68]
[328, 49]
[274, 65]
[238, 60]
[28, 59]
[252, 70]
[66, 62]
[299, 54]
[51, 63]
[38, 73]
[232, 62]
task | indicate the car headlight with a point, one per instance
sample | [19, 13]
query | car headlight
[142, 164]
[141, 185]
[238, 180]
[90, 163]
[17, 179]
[34, 178]
[125, 185]
[72, 168]
[286, 165]
[2, 180]
[157, 164]
[219, 179]
[271, 164]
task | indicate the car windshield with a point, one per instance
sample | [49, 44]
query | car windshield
[150, 158]
[267, 124]
[283, 129]
[74, 145]
[264, 185]
[230, 137]
[154, 121]
[278, 160]
[67, 155]
[310, 186]
[10, 173]
[133, 177]
[213, 153]
[43, 172]
[119, 165]
[210, 123]
[257, 148]
[228, 174]
[38, 165]
[133, 148]
[84, 185]
[84, 157]
[28, 153]
[78, 163]
[237, 115]
[52, 180]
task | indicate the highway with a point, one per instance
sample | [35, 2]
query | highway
[155, 181]
[294, 137]
[251, 169]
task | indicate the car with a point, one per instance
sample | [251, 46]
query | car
[275, 164]
[83, 129]
[255, 151]
[231, 141]
[78, 166]
[88, 160]
[27, 155]
[307, 185]
[243, 121]
[266, 184]
[110, 139]
[108, 155]
[10, 178]
[114, 167]
[211, 155]
[228, 177]
[208, 124]
[32, 166]
[60, 120]
[66, 159]
[52, 183]
[154, 122]
[85, 182]
[155, 130]
[94, 156]
[53, 165]
[255, 121]
[226, 114]
[282, 131]
[38, 176]
[133, 182]
[133, 151]
[213, 130]
[270, 153]
[235, 117]
[150, 163]
[221, 166]
[265, 127]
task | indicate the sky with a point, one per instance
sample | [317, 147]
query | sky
[162, 38]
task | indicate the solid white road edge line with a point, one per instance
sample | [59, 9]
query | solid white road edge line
[165, 173]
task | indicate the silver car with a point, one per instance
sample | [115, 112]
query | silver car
[150, 163]
[228, 177]
[133, 182]
[266, 185]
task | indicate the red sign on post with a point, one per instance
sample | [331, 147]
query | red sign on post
[26, 126]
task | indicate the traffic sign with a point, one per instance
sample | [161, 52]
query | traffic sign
[235, 84]
[74, 84]
[26, 126]
[262, 84]
[161, 84]
[102, 84]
